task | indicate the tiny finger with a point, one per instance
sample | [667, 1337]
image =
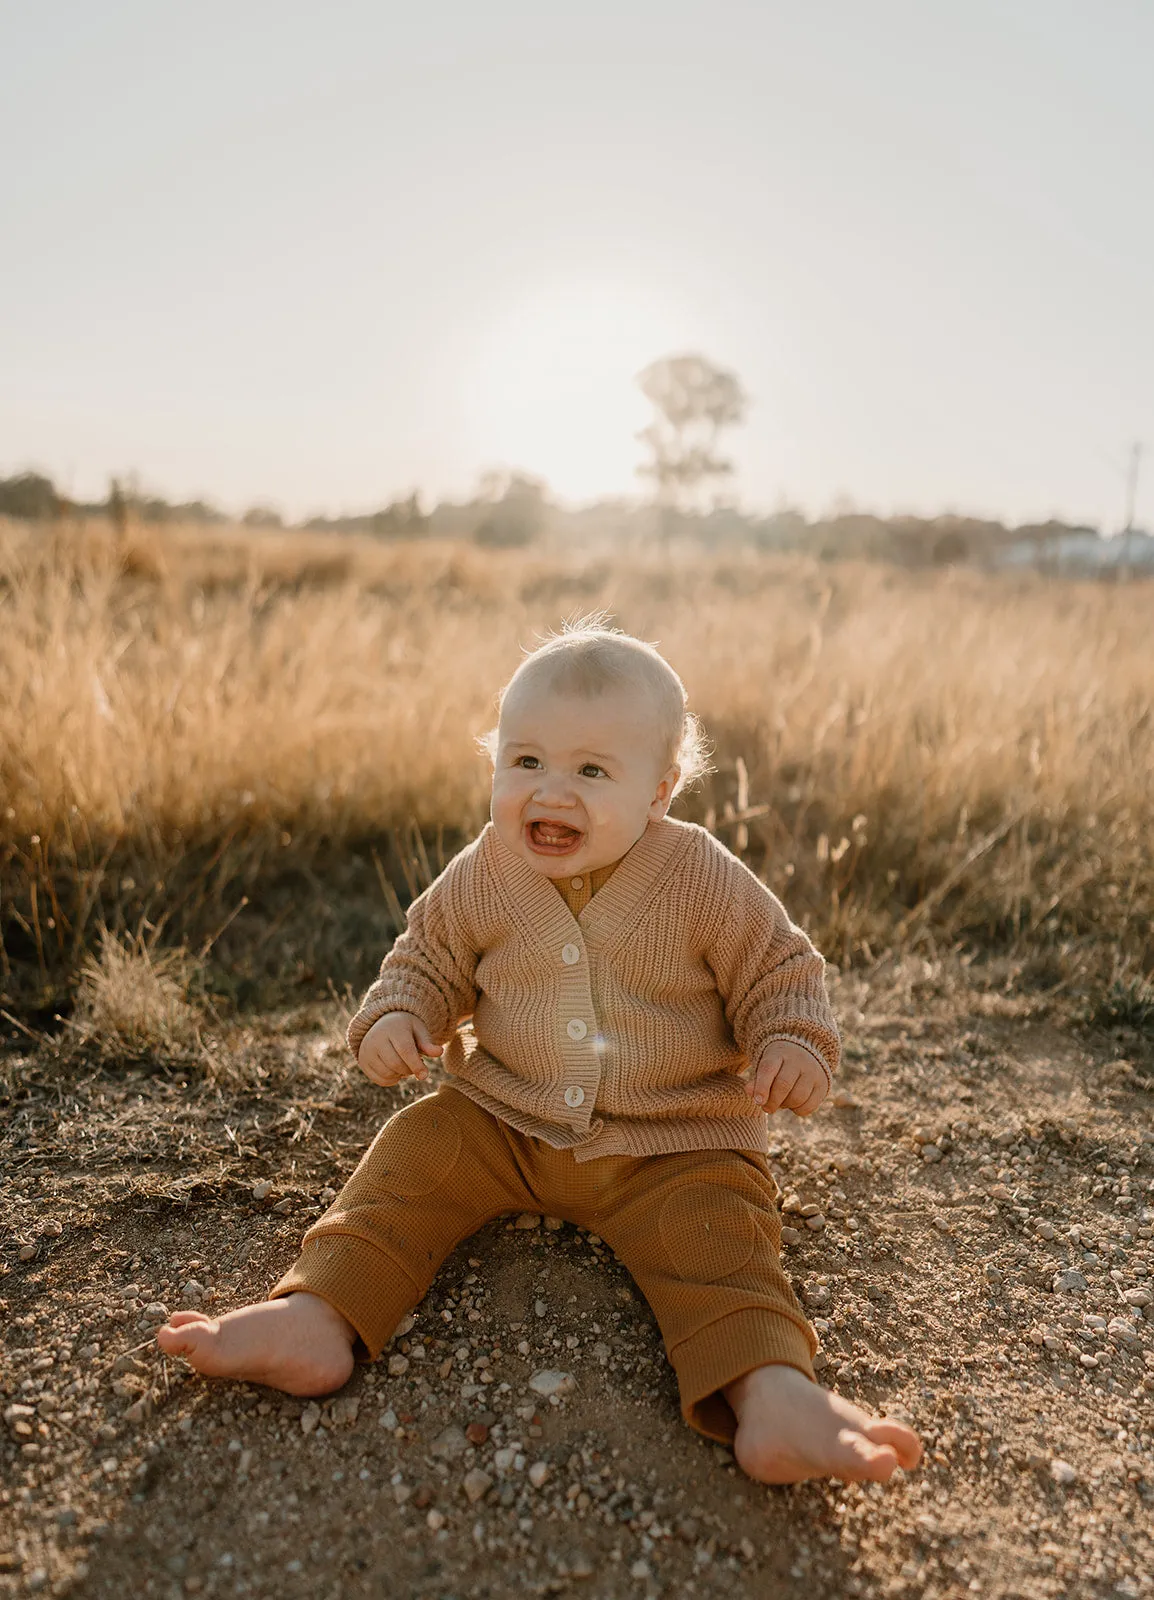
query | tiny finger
[782, 1085]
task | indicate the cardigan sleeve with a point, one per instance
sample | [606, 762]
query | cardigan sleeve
[431, 969]
[770, 976]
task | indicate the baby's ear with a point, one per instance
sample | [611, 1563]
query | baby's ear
[666, 789]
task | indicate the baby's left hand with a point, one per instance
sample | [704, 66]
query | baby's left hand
[788, 1078]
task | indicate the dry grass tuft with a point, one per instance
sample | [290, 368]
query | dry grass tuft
[132, 1003]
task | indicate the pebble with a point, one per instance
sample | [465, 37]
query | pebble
[1138, 1297]
[816, 1222]
[343, 1413]
[1062, 1472]
[1046, 1230]
[528, 1219]
[538, 1473]
[810, 1209]
[398, 1366]
[540, 1309]
[553, 1223]
[26, 1252]
[503, 1459]
[388, 1419]
[476, 1432]
[435, 1520]
[791, 1204]
[551, 1382]
[931, 1153]
[451, 1442]
[476, 1484]
[192, 1292]
[845, 1101]
[1069, 1282]
[262, 1190]
[310, 1417]
[791, 1236]
[1119, 1328]
[640, 1569]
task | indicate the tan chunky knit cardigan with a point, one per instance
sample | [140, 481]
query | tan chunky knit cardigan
[620, 1031]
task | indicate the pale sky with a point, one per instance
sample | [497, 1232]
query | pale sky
[320, 255]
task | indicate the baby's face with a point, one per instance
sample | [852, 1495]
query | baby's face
[576, 779]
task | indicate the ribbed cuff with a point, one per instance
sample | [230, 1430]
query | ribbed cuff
[368, 1288]
[726, 1350]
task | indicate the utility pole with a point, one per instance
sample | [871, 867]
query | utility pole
[1131, 504]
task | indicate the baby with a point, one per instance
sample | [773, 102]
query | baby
[639, 1002]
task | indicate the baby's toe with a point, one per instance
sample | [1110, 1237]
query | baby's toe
[905, 1442]
[860, 1458]
[181, 1319]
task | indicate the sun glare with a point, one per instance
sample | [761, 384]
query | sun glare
[554, 392]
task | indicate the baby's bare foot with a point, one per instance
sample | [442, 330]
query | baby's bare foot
[299, 1344]
[789, 1429]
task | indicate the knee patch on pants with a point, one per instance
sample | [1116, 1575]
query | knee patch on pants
[708, 1232]
[417, 1150]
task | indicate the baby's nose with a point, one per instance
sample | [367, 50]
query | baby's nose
[554, 789]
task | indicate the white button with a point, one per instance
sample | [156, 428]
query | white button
[570, 954]
[576, 883]
[577, 1030]
[574, 1095]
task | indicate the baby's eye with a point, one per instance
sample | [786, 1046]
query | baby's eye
[592, 770]
[530, 763]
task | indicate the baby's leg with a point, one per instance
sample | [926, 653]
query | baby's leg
[700, 1233]
[437, 1170]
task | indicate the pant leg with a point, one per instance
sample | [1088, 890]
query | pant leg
[701, 1235]
[437, 1171]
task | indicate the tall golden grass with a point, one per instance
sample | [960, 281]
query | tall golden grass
[277, 733]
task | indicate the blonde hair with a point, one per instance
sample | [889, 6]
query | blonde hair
[588, 657]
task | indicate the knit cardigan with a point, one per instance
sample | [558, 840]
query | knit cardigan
[621, 1031]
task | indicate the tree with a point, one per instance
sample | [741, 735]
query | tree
[517, 510]
[28, 495]
[693, 400]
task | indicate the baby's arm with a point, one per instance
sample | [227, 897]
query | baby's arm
[427, 985]
[772, 981]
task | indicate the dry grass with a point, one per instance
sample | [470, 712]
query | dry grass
[931, 761]
[133, 1002]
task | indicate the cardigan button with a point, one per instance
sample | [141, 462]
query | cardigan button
[576, 1029]
[570, 954]
[574, 1096]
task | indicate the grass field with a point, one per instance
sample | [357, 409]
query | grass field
[266, 743]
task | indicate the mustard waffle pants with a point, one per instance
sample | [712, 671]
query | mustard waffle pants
[698, 1230]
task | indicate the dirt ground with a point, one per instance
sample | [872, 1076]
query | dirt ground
[981, 1264]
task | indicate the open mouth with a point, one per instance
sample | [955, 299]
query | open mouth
[554, 838]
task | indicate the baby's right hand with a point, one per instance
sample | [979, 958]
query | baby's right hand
[393, 1047]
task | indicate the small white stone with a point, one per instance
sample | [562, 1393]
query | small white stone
[435, 1519]
[398, 1366]
[156, 1312]
[540, 1309]
[503, 1459]
[528, 1219]
[261, 1190]
[310, 1417]
[538, 1473]
[1062, 1472]
[816, 1222]
[388, 1419]
[1069, 1282]
[1138, 1297]
[931, 1153]
[790, 1236]
[476, 1484]
[550, 1382]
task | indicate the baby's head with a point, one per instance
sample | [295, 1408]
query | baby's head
[594, 741]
